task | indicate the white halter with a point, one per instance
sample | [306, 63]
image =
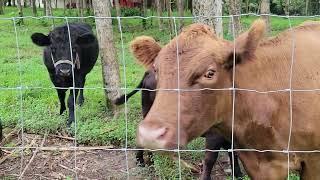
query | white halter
[64, 61]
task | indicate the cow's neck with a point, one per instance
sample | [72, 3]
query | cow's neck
[255, 125]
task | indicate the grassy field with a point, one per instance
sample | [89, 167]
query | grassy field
[35, 107]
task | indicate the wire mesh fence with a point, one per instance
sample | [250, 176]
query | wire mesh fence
[24, 77]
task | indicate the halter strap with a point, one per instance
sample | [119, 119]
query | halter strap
[65, 61]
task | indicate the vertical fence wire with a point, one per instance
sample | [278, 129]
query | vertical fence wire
[125, 92]
[233, 93]
[21, 121]
[178, 91]
[290, 92]
[73, 89]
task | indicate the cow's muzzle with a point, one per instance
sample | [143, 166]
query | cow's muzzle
[154, 135]
[76, 62]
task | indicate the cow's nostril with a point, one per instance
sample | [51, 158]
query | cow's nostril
[65, 71]
[152, 135]
[158, 133]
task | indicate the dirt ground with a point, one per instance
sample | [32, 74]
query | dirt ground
[52, 161]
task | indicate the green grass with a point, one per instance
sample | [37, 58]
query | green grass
[37, 108]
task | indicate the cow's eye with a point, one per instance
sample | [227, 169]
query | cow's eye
[210, 73]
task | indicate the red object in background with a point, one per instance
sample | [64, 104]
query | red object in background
[73, 6]
[129, 3]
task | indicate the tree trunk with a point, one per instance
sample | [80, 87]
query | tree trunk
[168, 5]
[91, 4]
[70, 7]
[64, 7]
[14, 2]
[159, 13]
[180, 5]
[56, 7]
[88, 6]
[307, 7]
[286, 7]
[1, 7]
[20, 21]
[247, 6]
[48, 8]
[34, 7]
[144, 11]
[44, 7]
[80, 9]
[265, 9]
[208, 10]
[85, 7]
[9, 3]
[117, 5]
[110, 66]
[49, 11]
[190, 5]
[235, 9]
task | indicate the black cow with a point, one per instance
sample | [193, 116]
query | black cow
[213, 141]
[63, 63]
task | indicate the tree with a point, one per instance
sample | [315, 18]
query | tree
[180, 5]
[247, 6]
[168, 6]
[265, 11]
[307, 7]
[1, 7]
[286, 7]
[44, 7]
[159, 13]
[189, 5]
[235, 23]
[110, 66]
[80, 9]
[20, 12]
[70, 6]
[144, 11]
[48, 8]
[206, 12]
[117, 5]
[64, 7]
[34, 7]
[87, 6]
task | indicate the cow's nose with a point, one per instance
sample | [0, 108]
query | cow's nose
[65, 72]
[152, 136]
[155, 135]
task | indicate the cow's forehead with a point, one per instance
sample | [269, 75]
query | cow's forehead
[186, 52]
[60, 32]
[60, 36]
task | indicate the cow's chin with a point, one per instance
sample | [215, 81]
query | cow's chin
[161, 145]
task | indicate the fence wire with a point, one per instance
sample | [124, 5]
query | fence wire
[232, 89]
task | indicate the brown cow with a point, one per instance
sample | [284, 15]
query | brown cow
[261, 120]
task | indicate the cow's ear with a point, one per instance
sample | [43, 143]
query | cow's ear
[246, 44]
[40, 39]
[86, 39]
[145, 49]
